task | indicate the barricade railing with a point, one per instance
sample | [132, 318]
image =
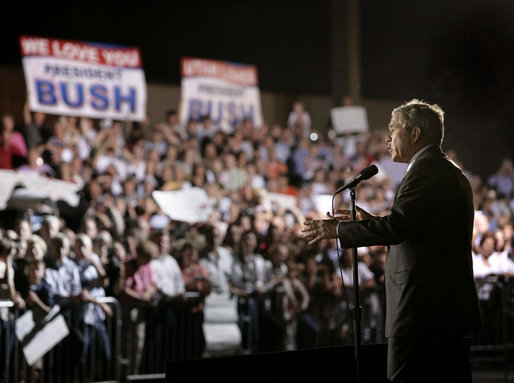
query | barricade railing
[155, 335]
[7, 316]
[172, 331]
[63, 363]
[494, 344]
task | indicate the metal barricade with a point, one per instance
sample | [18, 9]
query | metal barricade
[173, 332]
[494, 344]
[6, 341]
[156, 335]
[63, 362]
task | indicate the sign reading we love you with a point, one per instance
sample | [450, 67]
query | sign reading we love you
[84, 79]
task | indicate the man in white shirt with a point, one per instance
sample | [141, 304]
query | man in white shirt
[165, 268]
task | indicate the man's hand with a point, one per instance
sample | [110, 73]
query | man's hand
[346, 215]
[315, 230]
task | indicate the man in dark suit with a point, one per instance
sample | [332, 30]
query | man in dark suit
[431, 297]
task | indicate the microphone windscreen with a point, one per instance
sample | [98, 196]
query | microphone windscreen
[369, 172]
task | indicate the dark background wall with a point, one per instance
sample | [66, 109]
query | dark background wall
[288, 41]
[459, 54]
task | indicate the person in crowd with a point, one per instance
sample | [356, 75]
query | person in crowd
[169, 298]
[13, 149]
[206, 128]
[136, 301]
[232, 238]
[50, 227]
[63, 278]
[272, 321]
[156, 140]
[366, 285]
[375, 305]
[92, 274]
[492, 270]
[299, 121]
[7, 252]
[508, 239]
[220, 313]
[165, 268]
[247, 282]
[173, 124]
[37, 129]
[232, 177]
[62, 274]
[481, 226]
[366, 277]
[503, 179]
[318, 278]
[36, 164]
[198, 286]
[489, 261]
[296, 301]
[431, 223]
[114, 269]
[7, 293]
[216, 259]
[58, 145]
[39, 296]
[35, 250]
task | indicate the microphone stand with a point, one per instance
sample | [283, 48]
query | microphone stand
[356, 312]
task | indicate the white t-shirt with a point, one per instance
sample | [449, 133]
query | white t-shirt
[365, 274]
[499, 263]
[167, 275]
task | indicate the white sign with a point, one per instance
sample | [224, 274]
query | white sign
[187, 205]
[323, 203]
[283, 201]
[349, 119]
[84, 79]
[33, 187]
[37, 338]
[227, 92]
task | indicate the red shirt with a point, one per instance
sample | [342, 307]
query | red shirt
[16, 146]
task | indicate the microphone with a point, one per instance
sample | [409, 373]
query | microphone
[365, 174]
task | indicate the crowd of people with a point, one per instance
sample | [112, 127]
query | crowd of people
[119, 243]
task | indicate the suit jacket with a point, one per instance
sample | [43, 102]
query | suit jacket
[429, 283]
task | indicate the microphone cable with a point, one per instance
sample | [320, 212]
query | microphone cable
[341, 270]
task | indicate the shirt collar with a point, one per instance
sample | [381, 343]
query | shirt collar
[417, 154]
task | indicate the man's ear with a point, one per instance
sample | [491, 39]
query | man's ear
[415, 134]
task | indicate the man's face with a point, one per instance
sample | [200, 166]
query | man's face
[399, 141]
[58, 249]
[163, 241]
[249, 242]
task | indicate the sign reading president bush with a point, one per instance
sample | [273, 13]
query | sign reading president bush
[226, 92]
[84, 79]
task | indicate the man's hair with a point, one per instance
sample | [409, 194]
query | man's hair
[147, 249]
[60, 238]
[85, 239]
[429, 118]
[6, 246]
[36, 240]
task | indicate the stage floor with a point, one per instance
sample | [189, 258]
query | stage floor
[487, 375]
